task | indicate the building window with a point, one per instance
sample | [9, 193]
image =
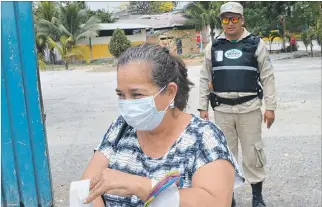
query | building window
[109, 33]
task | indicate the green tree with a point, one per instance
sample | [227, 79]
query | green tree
[119, 43]
[202, 14]
[311, 34]
[319, 29]
[319, 33]
[44, 10]
[104, 16]
[162, 6]
[72, 22]
[66, 50]
[140, 7]
[305, 39]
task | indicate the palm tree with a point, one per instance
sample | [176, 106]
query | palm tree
[66, 50]
[45, 11]
[202, 14]
[73, 23]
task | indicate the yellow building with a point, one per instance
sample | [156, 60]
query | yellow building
[97, 47]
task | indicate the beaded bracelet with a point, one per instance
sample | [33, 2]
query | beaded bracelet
[168, 180]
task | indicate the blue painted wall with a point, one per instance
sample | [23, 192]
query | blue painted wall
[26, 178]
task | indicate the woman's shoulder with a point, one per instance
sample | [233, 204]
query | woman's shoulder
[113, 130]
[201, 134]
[202, 128]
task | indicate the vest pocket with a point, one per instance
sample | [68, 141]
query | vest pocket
[260, 155]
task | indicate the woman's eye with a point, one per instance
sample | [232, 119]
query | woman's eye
[120, 95]
[137, 95]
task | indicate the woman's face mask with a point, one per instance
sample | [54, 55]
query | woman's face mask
[142, 114]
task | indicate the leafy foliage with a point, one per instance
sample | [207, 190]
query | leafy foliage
[41, 62]
[72, 22]
[119, 43]
[46, 10]
[151, 7]
[66, 50]
[104, 16]
[163, 6]
[204, 13]
[140, 7]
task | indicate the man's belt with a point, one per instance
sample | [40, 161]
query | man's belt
[217, 100]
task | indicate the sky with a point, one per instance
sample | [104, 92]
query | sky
[113, 5]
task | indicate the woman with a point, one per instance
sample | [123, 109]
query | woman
[153, 91]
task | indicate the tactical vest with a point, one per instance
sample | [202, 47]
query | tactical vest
[235, 66]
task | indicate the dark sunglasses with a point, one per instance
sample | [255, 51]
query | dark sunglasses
[234, 20]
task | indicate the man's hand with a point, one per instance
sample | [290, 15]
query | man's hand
[269, 117]
[204, 115]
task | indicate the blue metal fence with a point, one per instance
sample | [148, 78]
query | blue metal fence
[26, 178]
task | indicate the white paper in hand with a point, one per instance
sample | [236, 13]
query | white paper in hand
[78, 192]
[169, 197]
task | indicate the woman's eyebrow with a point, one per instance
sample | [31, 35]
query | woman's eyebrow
[132, 90]
[138, 90]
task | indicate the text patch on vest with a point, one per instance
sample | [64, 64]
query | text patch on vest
[233, 54]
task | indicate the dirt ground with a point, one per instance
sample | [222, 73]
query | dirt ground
[80, 105]
[108, 67]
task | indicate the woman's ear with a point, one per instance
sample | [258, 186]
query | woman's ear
[172, 90]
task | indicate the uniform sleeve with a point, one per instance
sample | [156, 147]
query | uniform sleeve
[107, 143]
[213, 146]
[267, 77]
[205, 77]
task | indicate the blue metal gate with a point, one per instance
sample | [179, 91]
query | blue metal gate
[26, 178]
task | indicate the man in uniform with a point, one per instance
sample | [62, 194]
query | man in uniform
[237, 74]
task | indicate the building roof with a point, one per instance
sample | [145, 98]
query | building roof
[157, 21]
[122, 25]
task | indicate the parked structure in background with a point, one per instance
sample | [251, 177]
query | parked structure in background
[98, 47]
[166, 29]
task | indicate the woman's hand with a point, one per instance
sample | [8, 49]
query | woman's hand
[109, 181]
[118, 183]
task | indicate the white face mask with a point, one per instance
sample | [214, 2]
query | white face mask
[142, 114]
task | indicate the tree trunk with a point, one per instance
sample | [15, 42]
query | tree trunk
[115, 62]
[52, 56]
[212, 34]
[311, 49]
[66, 65]
[284, 32]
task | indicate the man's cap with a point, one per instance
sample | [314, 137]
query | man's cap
[231, 7]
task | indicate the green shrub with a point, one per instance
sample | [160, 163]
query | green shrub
[119, 43]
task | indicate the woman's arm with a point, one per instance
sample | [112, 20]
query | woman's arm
[97, 163]
[212, 185]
